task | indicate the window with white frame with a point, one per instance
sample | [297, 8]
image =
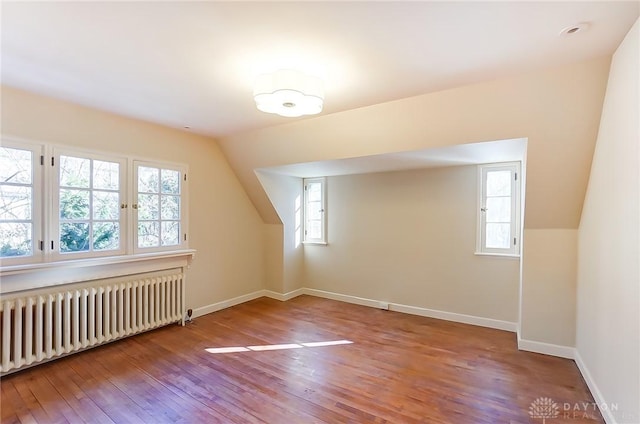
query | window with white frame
[315, 210]
[20, 205]
[89, 199]
[158, 205]
[499, 209]
[61, 203]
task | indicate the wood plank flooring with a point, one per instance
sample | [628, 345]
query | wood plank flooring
[399, 369]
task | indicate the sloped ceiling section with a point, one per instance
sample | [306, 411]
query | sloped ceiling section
[557, 110]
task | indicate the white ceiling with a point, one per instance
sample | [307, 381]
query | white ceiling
[461, 154]
[193, 63]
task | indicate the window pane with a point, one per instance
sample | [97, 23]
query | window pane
[170, 233]
[148, 234]
[15, 202]
[170, 208]
[15, 239]
[15, 166]
[106, 236]
[499, 209]
[148, 179]
[74, 204]
[498, 236]
[106, 175]
[314, 192]
[314, 210]
[106, 205]
[315, 230]
[170, 181]
[74, 172]
[74, 237]
[499, 183]
[148, 206]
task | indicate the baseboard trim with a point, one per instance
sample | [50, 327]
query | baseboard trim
[546, 348]
[455, 317]
[214, 307]
[415, 310]
[593, 387]
[283, 297]
[342, 297]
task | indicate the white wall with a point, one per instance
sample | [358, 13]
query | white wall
[409, 237]
[608, 318]
[224, 227]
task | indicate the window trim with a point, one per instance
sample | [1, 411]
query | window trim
[516, 212]
[323, 221]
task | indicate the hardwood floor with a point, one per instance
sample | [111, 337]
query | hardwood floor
[399, 369]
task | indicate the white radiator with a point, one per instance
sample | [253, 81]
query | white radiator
[43, 324]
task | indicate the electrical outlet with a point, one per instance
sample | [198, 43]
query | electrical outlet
[189, 314]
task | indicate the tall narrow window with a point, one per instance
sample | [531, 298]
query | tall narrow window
[19, 202]
[159, 207]
[89, 203]
[314, 210]
[499, 209]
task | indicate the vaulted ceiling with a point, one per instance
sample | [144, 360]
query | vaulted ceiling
[192, 64]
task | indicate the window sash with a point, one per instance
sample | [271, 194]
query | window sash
[315, 210]
[74, 226]
[35, 186]
[165, 219]
[488, 222]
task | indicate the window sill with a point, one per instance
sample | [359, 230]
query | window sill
[500, 255]
[320, 243]
[46, 274]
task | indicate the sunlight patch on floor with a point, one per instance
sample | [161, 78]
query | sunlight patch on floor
[276, 346]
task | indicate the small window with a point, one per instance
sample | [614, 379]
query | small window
[20, 200]
[315, 211]
[89, 205]
[499, 209]
[159, 206]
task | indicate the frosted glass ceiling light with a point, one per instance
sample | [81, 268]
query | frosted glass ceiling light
[289, 93]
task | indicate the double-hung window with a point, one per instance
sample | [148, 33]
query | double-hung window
[315, 199]
[499, 209]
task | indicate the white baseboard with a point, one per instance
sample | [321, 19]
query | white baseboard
[595, 391]
[342, 297]
[416, 310]
[546, 348]
[455, 317]
[283, 297]
[203, 310]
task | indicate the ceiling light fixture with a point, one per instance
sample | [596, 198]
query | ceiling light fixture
[289, 93]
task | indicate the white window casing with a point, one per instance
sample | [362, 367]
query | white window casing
[499, 199]
[315, 207]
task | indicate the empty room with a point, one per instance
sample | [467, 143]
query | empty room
[320, 212]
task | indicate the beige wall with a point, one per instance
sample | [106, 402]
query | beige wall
[409, 237]
[285, 192]
[608, 319]
[224, 226]
[549, 286]
[557, 109]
